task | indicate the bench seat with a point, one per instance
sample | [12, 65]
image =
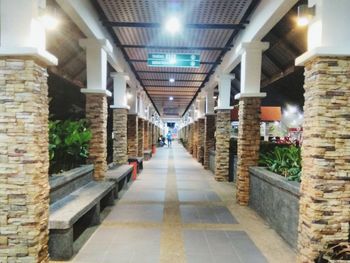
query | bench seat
[84, 202]
[120, 175]
[147, 154]
[139, 161]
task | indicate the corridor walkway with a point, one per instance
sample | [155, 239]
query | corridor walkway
[176, 212]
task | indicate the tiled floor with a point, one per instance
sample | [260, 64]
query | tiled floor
[176, 212]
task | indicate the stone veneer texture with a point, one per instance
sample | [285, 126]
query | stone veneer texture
[247, 145]
[132, 135]
[150, 137]
[96, 114]
[190, 138]
[223, 132]
[209, 137]
[325, 188]
[195, 139]
[140, 128]
[200, 143]
[24, 161]
[120, 141]
[146, 136]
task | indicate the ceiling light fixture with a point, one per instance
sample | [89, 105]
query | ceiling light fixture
[173, 25]
[305, 14]
[171, 98]
[171, 80]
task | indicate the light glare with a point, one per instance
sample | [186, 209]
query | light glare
[49, 22]
[303, 21]
[173, 25]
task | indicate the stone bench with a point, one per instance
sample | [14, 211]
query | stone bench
[120, 175]
[147, 154]
[139, 161]
[74, 197]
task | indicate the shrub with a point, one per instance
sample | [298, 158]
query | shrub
[68, 144]
[285, 161]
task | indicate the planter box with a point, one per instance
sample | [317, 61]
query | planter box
[276, 200]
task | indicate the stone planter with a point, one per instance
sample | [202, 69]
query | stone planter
[212, 161]
[276, 200]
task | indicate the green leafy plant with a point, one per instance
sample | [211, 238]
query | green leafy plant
[68, 144]
[285, 161]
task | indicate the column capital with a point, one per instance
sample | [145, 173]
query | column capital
[253, 45]
[23, 31]
[101, 92]
[96, 43]
[121, 75]
[250, 95]
[328, 33]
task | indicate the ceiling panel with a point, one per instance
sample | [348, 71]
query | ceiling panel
[145, 29]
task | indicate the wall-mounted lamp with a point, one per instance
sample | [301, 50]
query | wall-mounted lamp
[305, 14]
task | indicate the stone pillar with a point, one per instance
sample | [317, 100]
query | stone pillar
[195, 139]
[146, 136]
[200, 144]
[248, 144]
[24, 162]
[325, 190]
[190, 138]
[132, 135]
[120, 141]
[141, 130]
[96, 114]
[209, 137]
[150, 135]
[223, 131]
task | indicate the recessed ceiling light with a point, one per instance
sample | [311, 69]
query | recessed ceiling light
[171, 80]
[173, 25]
[171, 98]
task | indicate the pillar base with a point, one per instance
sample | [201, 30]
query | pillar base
[209, 137]
[96, 114]
[222, 154]
[120, 142]
[325, 190]
[248, 144]
[132, 135]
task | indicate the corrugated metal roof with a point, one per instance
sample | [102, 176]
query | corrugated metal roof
[145, 38]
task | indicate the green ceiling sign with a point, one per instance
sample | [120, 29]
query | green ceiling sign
[173, 60]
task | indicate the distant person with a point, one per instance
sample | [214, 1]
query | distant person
[169, 138]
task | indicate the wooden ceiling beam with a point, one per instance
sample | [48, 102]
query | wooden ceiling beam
[290, 70]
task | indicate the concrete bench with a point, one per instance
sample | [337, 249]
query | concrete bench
[120, 175]
[147, 154]
[139, 161]
[83, 203]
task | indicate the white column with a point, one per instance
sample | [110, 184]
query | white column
[96, 64]
[209, 101]
[22, 30]
[251, 69]
[119, 90]
[133, 101]
[328, 31]
[224, 92]
[201, 105]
